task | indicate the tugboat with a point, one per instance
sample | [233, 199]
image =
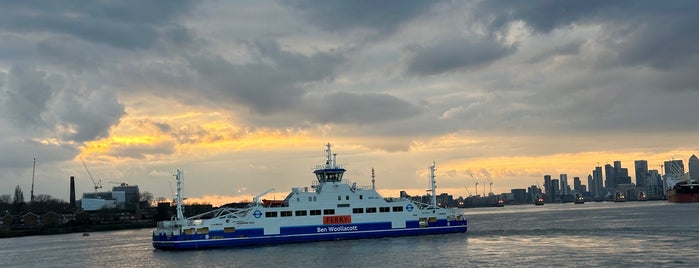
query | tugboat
[579, 199]
[539, 201]
[619, 197]
[333, 209]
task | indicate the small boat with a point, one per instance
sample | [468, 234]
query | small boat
[619, 197]
[539, 201]
[500, 203]
[333, 209]
[579, 199]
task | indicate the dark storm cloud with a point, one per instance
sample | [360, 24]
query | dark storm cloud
[271, 84]
[124, 24]
[343, 16]
[456, 54]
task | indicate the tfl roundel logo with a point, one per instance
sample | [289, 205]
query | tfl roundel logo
[257, 214]
[409, 207]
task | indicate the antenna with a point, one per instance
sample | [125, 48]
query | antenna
[373, 186]
[31, 198]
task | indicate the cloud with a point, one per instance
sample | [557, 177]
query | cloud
[353, 108]
[270, 85]
[122, 24]
[384, 17]
[456, 54]
[26, 95]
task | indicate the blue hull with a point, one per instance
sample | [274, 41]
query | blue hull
[254, 237]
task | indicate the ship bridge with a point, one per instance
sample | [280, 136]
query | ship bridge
[331, 171]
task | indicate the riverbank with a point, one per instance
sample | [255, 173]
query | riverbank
[87, 228]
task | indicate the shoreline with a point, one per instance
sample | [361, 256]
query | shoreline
[75, 229]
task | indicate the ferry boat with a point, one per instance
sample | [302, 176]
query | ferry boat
[333, 209]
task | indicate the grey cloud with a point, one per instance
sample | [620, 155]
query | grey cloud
[90, 117]
[369, 108]
[123, 24]
[654, 33]
[343, 16]
[19, 153]
[454, 54]
[268, 86]
[26, 95]
[570, 48]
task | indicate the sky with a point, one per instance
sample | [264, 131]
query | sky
[243, 95]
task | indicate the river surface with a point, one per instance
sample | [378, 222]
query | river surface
[606, 234]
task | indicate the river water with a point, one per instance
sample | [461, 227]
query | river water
[630, 234]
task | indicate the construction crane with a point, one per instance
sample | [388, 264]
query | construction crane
[97, 185]
[468, 191]
[475, 181]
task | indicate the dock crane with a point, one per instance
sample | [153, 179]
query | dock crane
[97, 185]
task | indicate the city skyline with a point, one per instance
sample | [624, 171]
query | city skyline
[504, 91]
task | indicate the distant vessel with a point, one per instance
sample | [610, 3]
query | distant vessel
[619, 197]
[684, 192]
[579, 199]
[539, 201]
[500, 202]
[332, 210]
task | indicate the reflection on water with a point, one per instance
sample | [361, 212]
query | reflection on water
[604, 234]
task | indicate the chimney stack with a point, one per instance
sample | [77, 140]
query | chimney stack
[72, 192]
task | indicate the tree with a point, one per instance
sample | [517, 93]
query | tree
[19, 196]
[145, 199]
[5, 199]
[18, 201]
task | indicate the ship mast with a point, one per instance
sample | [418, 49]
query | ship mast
[373, 186]
[180, 210]
[433, 186]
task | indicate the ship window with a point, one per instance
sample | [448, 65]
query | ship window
[310, 199]
[346, 197]
[286, 213]
[339, 197]
[384, 209]
[358, 210]
[301, 213]
[370, 210]
[315, 212]
[328, 212]
[397, 209]
[228, 229]
[314, 199]
[361, 197]
[204, 230]
[270, 214]
[343, 205]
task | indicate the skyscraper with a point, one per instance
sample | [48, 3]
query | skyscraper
[597, 178]
[693, 167]
[610, 177]
[641, 168]
[564, 184]
[548, 188]
[577, 185]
